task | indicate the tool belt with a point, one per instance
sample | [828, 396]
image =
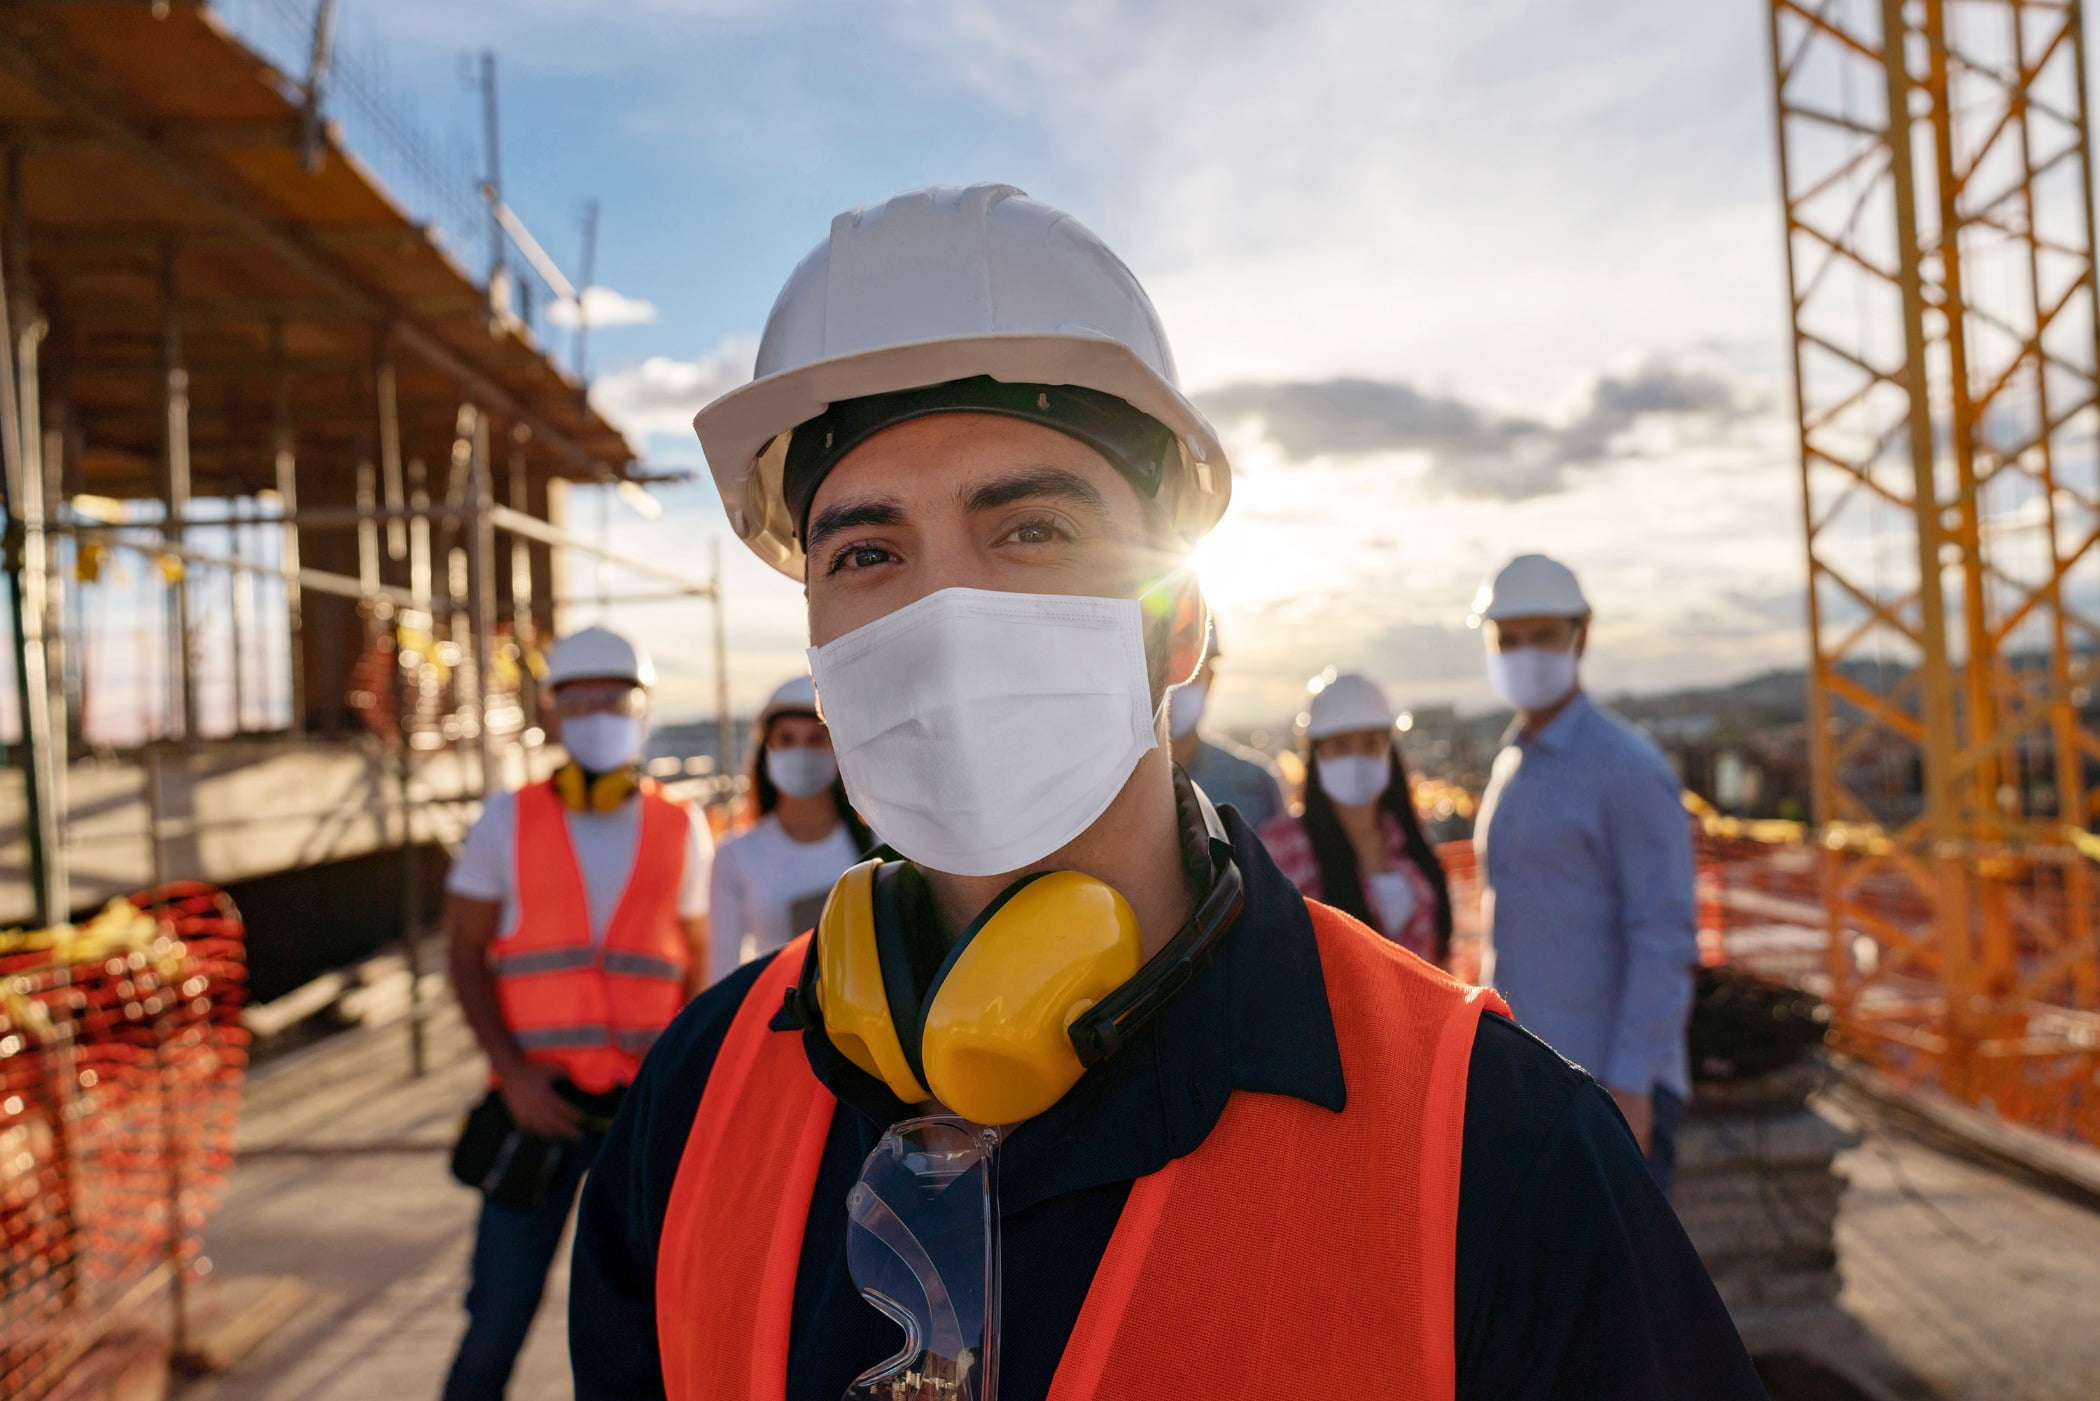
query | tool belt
[517, 1169]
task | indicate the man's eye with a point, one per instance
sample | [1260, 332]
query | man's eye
[1037, 533]
[859, 557]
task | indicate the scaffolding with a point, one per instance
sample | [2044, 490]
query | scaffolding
[1938, 187]
[284, 484]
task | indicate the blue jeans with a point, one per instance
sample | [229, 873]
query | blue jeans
[513, 1251]
[1662, 1139]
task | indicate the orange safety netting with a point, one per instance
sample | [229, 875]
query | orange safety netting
[121, 1061]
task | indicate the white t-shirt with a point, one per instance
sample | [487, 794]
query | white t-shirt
[605, 842]
[1394, 893]
[768, 888]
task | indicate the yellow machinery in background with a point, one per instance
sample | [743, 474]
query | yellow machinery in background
[1937, 178]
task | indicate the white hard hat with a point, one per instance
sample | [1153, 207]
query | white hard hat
[939, 285]
[1346, 703]
[598, 654]
[796, 696]
[1530, 586]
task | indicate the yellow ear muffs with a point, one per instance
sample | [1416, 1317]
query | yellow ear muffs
[994, 1035]
[995, 1041]
[579, 792]
[851, 995]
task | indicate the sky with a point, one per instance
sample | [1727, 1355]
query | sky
[1455, 281]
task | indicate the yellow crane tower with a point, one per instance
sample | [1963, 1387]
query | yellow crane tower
[1938, 186]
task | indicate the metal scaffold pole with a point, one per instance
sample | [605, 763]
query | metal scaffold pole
[26, 547]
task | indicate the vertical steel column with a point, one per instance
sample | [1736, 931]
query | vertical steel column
[1936, 699]
[175, 404]
[27, 550]
[367, 530]
[481, 591]
[285, 462]
[522, 634]
[241, 604]
[390, 456]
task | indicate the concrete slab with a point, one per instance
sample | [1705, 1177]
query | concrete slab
[342, 1183]
[1979, 1285]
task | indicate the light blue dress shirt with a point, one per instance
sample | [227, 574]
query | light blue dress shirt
[1236, 777]
[1587, 897]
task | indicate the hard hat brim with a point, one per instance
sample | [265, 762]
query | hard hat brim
[742, 433]
[1532, 608]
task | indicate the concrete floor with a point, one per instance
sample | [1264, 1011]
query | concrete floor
[1961, 1284]
[1981, 1286]
[342, 1182]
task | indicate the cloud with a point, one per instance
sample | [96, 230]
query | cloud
[1475, 450]
[662, 394]
[602, 307]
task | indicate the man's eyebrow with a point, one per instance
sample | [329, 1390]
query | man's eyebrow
[852, 515]
[1031, 483]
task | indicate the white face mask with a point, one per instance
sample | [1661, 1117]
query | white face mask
[801, 773]
[1355, 779]
[1532, 678]
[980, 731]
[602, 743]
[1185, 708]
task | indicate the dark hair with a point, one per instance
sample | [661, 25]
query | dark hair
[768, 797]
[1341, 883]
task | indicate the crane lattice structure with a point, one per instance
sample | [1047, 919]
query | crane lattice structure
[1938, 185]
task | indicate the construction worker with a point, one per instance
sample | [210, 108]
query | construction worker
[1229, 774]
[771, 878]
[1358, 843]
[576, 926]
[1230, 1126]
[1585, 856]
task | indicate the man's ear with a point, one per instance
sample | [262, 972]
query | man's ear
[1582, 635]
[1187, 632]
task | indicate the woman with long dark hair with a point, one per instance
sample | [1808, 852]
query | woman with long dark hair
[1358, 844]
[771, 878]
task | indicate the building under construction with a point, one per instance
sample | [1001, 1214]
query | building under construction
[287, 481]
[286, 531]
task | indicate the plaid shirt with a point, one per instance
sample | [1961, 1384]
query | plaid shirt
[1292, 849]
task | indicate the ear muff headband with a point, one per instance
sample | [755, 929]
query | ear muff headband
[580, 792]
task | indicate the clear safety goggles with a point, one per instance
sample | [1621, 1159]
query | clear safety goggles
[922, 1243]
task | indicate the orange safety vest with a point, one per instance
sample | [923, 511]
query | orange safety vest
[593, 1008]
[1322, 1247]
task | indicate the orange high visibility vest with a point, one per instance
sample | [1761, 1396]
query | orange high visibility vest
[593, 1009]
[1296, 1252]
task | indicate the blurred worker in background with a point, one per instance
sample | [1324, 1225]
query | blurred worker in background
[1358, 844]
[1234, 1124]
[1230, 775]
[771, 878]
[1585, 857]
[576, 925]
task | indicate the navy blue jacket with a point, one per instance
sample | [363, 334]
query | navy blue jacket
[1574, 1278]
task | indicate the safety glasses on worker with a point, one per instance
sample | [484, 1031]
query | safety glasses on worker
[579, 698]
[922, 1242]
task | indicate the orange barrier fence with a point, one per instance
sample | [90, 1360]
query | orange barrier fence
[121, 1062]
[1992, 998]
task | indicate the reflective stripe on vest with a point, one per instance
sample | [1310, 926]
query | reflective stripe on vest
[1324, 1246]
[592, 1009]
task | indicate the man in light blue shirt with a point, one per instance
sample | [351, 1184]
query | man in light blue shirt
[1586, 863]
